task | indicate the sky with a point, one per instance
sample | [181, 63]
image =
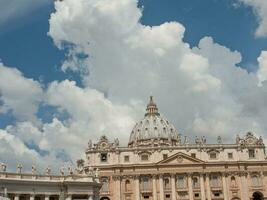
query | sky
[74, 70]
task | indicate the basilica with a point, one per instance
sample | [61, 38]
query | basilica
[160, 164]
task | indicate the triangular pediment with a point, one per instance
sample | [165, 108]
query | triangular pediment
[180, 158]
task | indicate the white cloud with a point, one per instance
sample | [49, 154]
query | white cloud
[202, 84]
[19, 94]
[262, 71]
[201, 89]
[260, 9]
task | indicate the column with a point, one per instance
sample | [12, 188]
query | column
[225, 188]
[208, 187]
[68, 197]
[190, 187]
[117, 188]
[137, 188]
[244, 186]
[173, 187]
[154, 185]
[202, 187]
[16, 197]
[46, 197]
[161, 190]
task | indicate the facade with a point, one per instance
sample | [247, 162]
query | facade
[31, 186]
[158, 164]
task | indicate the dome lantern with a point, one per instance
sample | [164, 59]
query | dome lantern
[152, 108]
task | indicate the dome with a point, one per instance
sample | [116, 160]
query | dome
[153, 129]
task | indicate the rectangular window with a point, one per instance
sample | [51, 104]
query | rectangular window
[180, 182]
[144, 157]
[126, 159]
[213, 155]
[103, 157]
[193, 155]
[165, 156]
[217, 194]
[230, 155]
[251, 153]
[215, 181]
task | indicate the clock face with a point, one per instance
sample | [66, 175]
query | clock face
[250, 140]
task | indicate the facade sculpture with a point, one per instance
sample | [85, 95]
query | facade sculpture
[158, 165]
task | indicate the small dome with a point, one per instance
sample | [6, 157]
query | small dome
[153, 127]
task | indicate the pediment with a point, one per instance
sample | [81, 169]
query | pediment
[180, 158]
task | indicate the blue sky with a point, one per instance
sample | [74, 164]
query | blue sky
[47, 96]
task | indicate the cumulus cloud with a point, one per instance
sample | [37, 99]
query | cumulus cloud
[19, 94]
[200, 88]
[260, 9]
[121, 62]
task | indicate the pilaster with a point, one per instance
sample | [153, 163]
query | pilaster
[161, 189]
[190, 187]
[173, 187]
[154, 185]
[202, 187]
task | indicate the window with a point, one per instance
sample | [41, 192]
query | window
[213, 155]
[144, 157]
[126, 159]
[196, 194]
[215, 181]
[168, 196]
[167, 183]
[233, 182]
[230, 155]
[180, 182]
[127, 185]
[217, 194]
[105, 185]
[251, 153]
[195, 182]
[165, 156]
[145, 182]
[104, 157]
[255, 181]
[193, 155]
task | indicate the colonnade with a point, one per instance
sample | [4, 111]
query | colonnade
[157, 190]
[17, 196]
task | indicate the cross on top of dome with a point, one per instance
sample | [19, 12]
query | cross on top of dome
[151, 108]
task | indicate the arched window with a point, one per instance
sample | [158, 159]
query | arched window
[127, 185]
[255, 181]
[233, 182]
[105, 185]
[167, 183]
[195, 182]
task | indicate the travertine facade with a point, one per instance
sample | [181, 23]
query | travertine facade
[78, 184]
[158, 164]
